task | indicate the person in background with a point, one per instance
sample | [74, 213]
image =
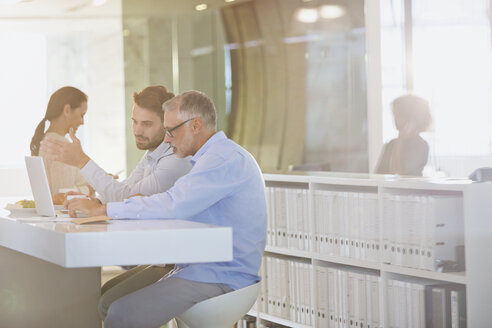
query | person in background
[225, 187]
[66, 109]
[408, 153]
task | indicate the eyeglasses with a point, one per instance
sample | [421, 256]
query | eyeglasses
[169, 132]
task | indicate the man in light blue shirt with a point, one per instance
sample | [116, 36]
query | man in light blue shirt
[225, 187]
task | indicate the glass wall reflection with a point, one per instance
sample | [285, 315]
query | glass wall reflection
[288, 77]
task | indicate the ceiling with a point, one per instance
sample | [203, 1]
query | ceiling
[86, 8]
[170, 7]
[58, 8]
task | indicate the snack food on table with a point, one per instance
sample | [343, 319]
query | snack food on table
[25, 203]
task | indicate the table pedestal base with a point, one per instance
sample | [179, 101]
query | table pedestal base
[36, 293]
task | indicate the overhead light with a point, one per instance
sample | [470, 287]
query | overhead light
[202, 51]
[201, 7]
[229, 0]
[98, 2]
[331, 11]
[307, 15]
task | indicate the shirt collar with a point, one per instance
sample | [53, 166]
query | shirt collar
[218, 136]
[161, 150]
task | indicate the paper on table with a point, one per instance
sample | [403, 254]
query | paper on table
[39, 219]
[93, 219]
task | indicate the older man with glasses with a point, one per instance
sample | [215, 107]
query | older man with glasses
[224, 187]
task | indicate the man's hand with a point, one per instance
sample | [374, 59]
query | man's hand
[79, 193]
[60, 198]
[86, 206]
[70, 153]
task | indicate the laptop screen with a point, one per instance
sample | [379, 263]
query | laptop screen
[39, 186]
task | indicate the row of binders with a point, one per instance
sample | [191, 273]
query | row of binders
[251, 322]
[346, 224]
[247, 322]
[343, 298]
[423, 231]
[287, 290]
[347, 298]
[413, 303]
[289, 225]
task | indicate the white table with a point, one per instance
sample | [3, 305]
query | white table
[50, 272]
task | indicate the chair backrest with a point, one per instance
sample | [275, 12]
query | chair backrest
[221, 311]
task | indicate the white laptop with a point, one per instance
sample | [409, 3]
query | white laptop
[40, 187]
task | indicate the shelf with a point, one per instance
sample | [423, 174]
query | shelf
[453, 277]
[472, 199]
[437, 184]
[347, 261]
[288, 252]
[345, 181]
[274, 319]
[285, 178]
[373, 180]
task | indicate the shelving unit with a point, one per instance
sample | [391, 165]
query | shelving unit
[475, 226]
[271, 318]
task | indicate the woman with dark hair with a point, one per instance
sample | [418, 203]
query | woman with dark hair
[66, 109]
[407, 154]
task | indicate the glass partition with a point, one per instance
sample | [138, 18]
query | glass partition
[288, 77]
[441, 50]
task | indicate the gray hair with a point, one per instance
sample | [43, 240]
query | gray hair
[191, 104]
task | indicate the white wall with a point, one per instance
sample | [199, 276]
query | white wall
[44, 55]
[14, 183]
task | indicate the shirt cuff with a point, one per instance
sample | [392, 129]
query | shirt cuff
[115, 210]
[89, 169]
[121, 210]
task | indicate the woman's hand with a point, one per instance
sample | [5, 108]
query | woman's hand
[59, 198]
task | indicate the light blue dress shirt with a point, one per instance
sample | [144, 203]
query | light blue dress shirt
[156, 172]
[225, 187]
